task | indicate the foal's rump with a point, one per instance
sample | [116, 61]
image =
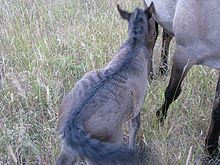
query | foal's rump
[110, 106]
[99, 106]
[109, 109]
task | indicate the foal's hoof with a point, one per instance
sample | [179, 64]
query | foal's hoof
[210, 161]
[163, 70]
[160, 117]
[211, 148]
[152, 76]
[213, 153]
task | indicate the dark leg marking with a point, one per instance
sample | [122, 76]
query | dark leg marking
[166, 38]
[211, 144]
[178, 73]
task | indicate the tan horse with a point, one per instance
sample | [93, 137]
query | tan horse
[92, 114]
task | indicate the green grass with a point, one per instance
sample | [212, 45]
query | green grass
[46, 46]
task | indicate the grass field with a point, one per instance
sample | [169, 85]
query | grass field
[47, 45]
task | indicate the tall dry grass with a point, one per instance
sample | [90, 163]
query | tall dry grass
[47, 45]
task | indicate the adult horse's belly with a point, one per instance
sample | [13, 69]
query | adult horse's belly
[165, 10]
[213, 63]
[197, 30]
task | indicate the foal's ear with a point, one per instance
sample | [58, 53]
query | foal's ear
[124, 14]
[150, 10]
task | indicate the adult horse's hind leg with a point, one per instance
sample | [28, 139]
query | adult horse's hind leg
[134, 127]
[166, 38]
[214, 128]
[179, 70]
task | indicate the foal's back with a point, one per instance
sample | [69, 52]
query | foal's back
[108, 96]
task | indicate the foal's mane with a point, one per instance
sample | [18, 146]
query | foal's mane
[138, 24]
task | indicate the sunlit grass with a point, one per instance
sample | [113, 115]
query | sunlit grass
[46, 46]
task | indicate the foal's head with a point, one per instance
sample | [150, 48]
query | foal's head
[141, 25]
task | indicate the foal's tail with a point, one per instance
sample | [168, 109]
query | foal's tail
[76, 139]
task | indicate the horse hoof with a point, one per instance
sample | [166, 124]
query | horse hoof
[158, 113]
[163, 71]
[160, 117]
[210, 160]
[212, 150]
[213, 153]
[152, 76]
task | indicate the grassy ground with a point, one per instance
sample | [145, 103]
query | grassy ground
[47, 45]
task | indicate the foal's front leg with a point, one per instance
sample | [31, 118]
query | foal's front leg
[214, 128]
[134, 127]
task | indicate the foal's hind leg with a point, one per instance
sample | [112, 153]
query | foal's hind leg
[134, 127]
[66, 158]
[166, 38]
[179, 70]
[214, 128]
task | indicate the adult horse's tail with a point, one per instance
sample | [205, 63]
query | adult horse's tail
[75, 138]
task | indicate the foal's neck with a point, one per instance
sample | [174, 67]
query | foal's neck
[140, 40]
[137, 34]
